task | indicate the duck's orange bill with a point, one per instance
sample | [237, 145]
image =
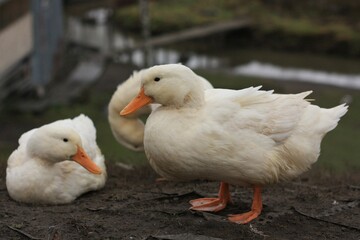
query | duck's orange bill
[138, 102]
[84, 160]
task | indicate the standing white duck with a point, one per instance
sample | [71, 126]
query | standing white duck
[56, 163]
[129, 130]
[243, 137]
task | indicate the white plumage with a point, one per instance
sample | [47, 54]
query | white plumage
[40, 170]
[128, 131]
[245, 137]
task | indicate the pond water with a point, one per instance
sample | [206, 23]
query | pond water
[266, 64]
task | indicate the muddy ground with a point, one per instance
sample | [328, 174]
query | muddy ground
[133, 206]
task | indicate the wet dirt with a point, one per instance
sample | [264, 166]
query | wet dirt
[134, 206]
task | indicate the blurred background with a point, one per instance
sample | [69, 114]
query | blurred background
[62, 58]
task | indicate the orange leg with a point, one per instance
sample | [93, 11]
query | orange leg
[256, 208]
[213, 204]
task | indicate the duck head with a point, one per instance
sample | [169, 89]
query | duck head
[55, 144]
[169, 85]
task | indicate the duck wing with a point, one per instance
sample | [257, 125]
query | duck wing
[272, 115]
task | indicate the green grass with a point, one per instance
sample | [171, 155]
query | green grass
[176, 15]
[296, 24]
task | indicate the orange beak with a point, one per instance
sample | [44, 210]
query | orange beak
[84, 160]
[138, 102]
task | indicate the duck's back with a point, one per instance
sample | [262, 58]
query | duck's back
[273, 115]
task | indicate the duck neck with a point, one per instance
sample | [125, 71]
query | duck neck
[44, 163]
[193, 100]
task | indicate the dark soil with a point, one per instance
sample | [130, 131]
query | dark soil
[133, 206]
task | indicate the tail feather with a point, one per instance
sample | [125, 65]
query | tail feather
[320, 121]
[334, 114]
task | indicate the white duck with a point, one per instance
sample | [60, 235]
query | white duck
[243, 137]
[129, 130]
[56, 163]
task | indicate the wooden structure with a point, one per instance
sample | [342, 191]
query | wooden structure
[196, 32]
[31, 35]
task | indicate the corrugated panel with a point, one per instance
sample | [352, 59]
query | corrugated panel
[48, 30]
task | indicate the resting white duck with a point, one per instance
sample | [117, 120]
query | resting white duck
[129, 130]
[243, 137]
[56, 163]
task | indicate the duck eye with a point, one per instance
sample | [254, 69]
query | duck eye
[65, 140]
[156, 79]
